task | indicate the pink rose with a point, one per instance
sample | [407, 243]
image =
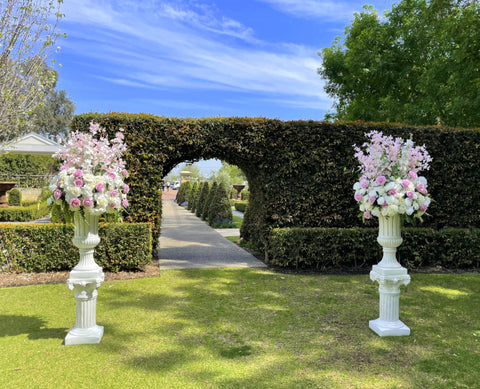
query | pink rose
[126, 188]
[372, 199]
[410, 195]
[381, 180]
[392, 192]
[421, 188]
[125, 173]
[112, 205]
[100, 187]
[125, 203]
[57, 194]
[364, 184]
[412, 175]
[78, 173]
[87, 202]
[75, 203]
[405, 183]
[112, 175]
[358, 197]
[367, 215]
[114, 193]
[423, 207]
[78, 182]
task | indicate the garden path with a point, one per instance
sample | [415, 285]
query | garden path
[188, 242]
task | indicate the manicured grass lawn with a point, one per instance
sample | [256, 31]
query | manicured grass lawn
[244, 328]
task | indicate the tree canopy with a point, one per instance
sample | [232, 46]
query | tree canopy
[26, 39]
[420, 64]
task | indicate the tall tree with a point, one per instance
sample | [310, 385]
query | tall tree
[26, 40]
[419, 65]
[53, 116]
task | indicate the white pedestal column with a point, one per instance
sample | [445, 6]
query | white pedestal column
[85, 278]
[390, 275]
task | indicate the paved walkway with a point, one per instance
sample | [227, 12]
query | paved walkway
[188, 242]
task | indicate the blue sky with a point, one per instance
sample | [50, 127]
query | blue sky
[200, 58]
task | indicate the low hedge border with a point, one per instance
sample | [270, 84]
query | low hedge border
[25, 213]
[241, 205]
[356, 249]
[48, 247]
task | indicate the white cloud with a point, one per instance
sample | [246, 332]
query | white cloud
[324, 9]
[163, 44]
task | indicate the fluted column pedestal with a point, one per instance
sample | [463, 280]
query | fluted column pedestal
[84, 279]
[390, 275]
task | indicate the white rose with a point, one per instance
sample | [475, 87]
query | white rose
[380, 201]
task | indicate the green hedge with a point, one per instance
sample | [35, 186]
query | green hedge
[241, 206]
[25, 213]
[48, 247]
[14, 197]
[300, 173]
[346, 249]
[15, 164]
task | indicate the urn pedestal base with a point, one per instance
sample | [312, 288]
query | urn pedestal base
[92, 335]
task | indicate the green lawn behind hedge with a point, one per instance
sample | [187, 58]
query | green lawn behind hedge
[244, 328]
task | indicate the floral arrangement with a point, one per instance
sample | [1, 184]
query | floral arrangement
[91, 177]
[389, 182]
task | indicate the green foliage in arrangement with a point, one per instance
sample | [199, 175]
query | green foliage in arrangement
[192, 197]
[241, 205]
[209, 200]
[202, 198]
[220, 210]
[14, 164]
[300, 173]
[356, 249]
[48, 247]
[184, 192]
[24, 213]
[14, 197]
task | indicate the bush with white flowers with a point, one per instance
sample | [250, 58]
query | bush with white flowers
[91, 178]
[389, 182]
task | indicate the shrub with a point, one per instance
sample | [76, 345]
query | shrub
[202, 198]
[20, 164]
[233, 194]
[220, 210]
[24, 214]
[241, 206]
[192, 197]
[14, 197]
[339, 249]
[244, 195]
[184, 192]
[209, 200]
[48, 247]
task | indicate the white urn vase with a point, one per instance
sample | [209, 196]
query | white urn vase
[390, 275]
[85, 278]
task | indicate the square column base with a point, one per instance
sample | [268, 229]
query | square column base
[92, 335]
[389, 328]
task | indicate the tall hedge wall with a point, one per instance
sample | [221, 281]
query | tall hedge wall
[300, 173]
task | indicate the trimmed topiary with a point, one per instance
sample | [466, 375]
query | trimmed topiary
[14, 197]
[202, 198]
[220, 210]
[208, 201]
[192, 197]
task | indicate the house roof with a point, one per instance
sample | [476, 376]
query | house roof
[32, 143]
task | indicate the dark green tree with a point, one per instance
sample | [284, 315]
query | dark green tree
[418, 65]
[209, 199]
[183, 192]
[220, 210]
[192, 197]
[202, 198]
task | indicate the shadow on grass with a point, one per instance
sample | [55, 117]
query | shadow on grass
[34, 327]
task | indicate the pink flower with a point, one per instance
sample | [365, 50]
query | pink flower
[114, 193]
[78, 173]
[75, 202]
[412, 175]
[372, 199]
[87, 202]
[392, 192]
[125, 203]
[421, 188]
[381, 180]
[126, 188]
[384, 205]
[63, 167]
[57, 194]
[405, 183]
[358, 197]
[364, 184]
[410, 194]
[100, 187]
[367, 215]
[125, 173]
[423, 207]
[112, 205]
[78, 182]
[112, 175]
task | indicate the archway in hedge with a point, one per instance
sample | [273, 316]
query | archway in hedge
[300, 173]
